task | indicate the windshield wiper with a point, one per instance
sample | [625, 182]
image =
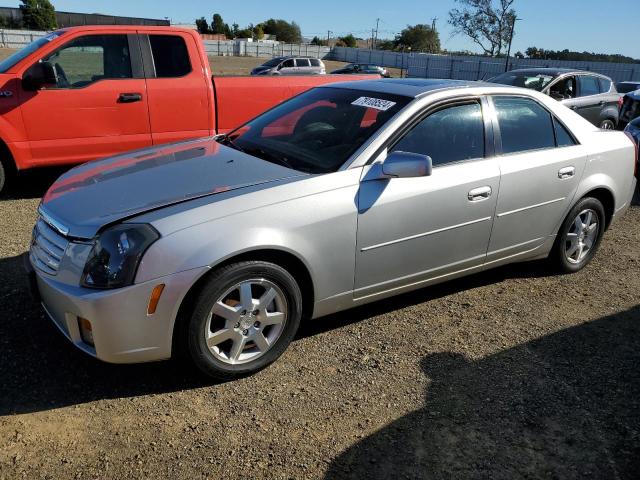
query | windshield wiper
[226, 140]
[270, 157]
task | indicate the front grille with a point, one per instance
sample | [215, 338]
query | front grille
[47, 248]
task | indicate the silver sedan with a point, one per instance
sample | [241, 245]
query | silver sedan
[344, 195]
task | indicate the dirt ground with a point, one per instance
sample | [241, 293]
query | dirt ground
[513, 373]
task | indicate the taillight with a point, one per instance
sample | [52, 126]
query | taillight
[635, 144]
[620, 103]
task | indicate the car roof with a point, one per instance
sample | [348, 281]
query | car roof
[632, 82]
[410, 87]
[553, 71]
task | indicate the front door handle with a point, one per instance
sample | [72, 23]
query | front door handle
[480, 193]
[566, 172]
[129, 97]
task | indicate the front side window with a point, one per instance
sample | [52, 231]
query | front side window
[317, 131]
[89, 59]
[287, 64]
[588, 85]
[170, 56]
[563, 89]
[452, 134]
[524, 125]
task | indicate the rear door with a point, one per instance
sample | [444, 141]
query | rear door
[303, 66]
[541, 165]
[589, 102]
[98, 107]
[177, 88]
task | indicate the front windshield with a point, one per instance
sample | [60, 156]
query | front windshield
[532, 80]
[272, 63]
[20, 55]
[317, 131]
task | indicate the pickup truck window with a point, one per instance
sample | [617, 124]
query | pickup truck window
[89, 59]
[317, 131]
[170, 56]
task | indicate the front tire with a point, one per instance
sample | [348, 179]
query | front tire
[579, 236]
[607, 124]
[244, 318]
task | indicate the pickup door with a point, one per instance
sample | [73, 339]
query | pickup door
[98, 106]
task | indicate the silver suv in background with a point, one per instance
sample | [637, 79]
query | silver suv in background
[591, 95]
[291, 66]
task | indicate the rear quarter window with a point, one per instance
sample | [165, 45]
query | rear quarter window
[605, 85]
[170, 56]
[315, 62]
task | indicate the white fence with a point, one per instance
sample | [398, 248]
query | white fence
[18, 38]
[266, 49]
[473, 68]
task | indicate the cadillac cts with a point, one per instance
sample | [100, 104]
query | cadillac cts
[344, 195]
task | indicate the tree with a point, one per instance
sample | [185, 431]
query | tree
[348, 41]
[38, 15]
[217, 24]
[318, 41]
[421, 38]
[487, 25]
[202, 25]
[258, 32]
[284, 31]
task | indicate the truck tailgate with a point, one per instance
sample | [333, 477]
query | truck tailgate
[239, 99]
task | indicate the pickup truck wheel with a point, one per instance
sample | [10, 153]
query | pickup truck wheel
[244, 319]
[579, 236]
[607, 124]
[7, 174]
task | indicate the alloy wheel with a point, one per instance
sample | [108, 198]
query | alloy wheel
[582, 236]
[246, 321]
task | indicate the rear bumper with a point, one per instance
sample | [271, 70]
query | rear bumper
[122, 330]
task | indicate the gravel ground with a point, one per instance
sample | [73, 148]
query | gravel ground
[514, 373]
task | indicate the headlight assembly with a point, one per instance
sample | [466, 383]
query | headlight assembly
[114, 258]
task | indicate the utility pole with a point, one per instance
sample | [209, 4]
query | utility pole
[328, 37]
[433, 23]
[372, 44]
[513, 26]
[375, 41]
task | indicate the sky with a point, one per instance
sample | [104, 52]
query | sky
[580, 25]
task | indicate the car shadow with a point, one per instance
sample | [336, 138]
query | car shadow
[566, 405]
[32, 183]
[40, 370]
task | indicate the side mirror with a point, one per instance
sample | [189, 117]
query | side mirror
[356, 68]
[407, 165]
[40, 75]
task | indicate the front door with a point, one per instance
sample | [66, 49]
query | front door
[541, 166]
[98, 107]
[411, 230]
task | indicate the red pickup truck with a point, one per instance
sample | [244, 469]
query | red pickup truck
[84, 93]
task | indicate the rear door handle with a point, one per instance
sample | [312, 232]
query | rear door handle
[480, 193]
[129, 97]
[566, 172]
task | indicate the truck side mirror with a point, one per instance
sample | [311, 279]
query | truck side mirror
[40, 75]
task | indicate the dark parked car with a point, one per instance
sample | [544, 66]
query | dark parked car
[626, 87]
[359, 68]
[629, 108]
[589, 94]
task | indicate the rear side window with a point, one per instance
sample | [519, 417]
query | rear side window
[452, 134]
[605, 85]
[302, 62]
[315, 62]
[524, 125]
[563, 137]
[170, 56]
[588, 85]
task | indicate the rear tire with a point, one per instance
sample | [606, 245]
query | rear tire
[7, 175]
[244, 318]
[579, 237]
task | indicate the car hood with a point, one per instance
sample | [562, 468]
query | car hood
[102, 192]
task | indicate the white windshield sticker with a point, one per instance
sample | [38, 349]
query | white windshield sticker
[377, 103]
